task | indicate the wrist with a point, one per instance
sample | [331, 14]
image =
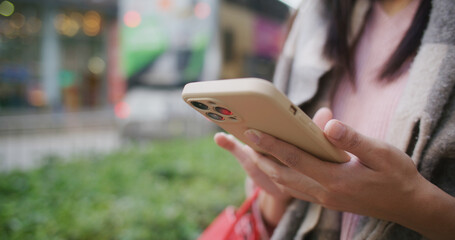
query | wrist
[431, 212]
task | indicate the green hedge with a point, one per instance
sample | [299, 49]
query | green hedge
[169, 190]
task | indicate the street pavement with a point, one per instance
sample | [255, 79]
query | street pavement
[28, 138]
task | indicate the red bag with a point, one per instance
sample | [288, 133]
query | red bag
[234, 225]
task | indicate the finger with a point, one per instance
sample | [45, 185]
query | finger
[236, 148]
[245, 155]
[229, 143]
[290, 181]
[322, 116]
[258, 175]
[372, 153]
[292, 156]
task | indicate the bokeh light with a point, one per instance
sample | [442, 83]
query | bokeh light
[122, 110]
[17, 21]
[66, 25]
[165, 5]
[6, 8]
[37, 98]
[92, 23]
[69, 25]
[202, 10]
[9, 31]
[132, 19]
[96, 65]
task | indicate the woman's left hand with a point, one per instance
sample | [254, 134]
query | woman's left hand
[379, 180]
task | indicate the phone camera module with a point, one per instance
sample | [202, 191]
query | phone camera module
[215, 116]
[199, 105]
[223, 111]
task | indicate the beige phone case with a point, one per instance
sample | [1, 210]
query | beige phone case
[240, 104]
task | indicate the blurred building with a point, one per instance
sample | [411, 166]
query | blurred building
[60, 56]
[73, 71]
[76, 54]
[252, 34]
[56, 54]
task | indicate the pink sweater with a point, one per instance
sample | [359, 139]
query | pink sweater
[369, 106]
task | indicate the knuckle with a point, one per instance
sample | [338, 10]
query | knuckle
[383, 151]
[280, 180]
[281, 188]
[276, 176]
[328, 200]
[315, 191]
[286, 177]
[323, 197]
[354, 141]
[291, 160]
[273, 173]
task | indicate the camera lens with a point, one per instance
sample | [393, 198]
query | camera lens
[199, 105]
[215, 116]
[223, 111]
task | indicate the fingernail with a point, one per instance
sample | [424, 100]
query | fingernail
[335, 130]
[253, 135]
[220, 133]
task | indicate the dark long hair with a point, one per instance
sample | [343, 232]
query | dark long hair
[337, 47]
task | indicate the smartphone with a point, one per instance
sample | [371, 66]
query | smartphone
[237, 105]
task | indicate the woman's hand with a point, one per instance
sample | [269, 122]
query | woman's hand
[379, 180]
[274, 200]
[246, 156]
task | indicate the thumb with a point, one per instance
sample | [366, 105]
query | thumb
[369, 151]
[322, 116]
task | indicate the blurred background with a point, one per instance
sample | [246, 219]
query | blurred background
[92, 126]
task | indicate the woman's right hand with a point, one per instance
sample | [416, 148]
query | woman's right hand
[245, 155]
[273, 200]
